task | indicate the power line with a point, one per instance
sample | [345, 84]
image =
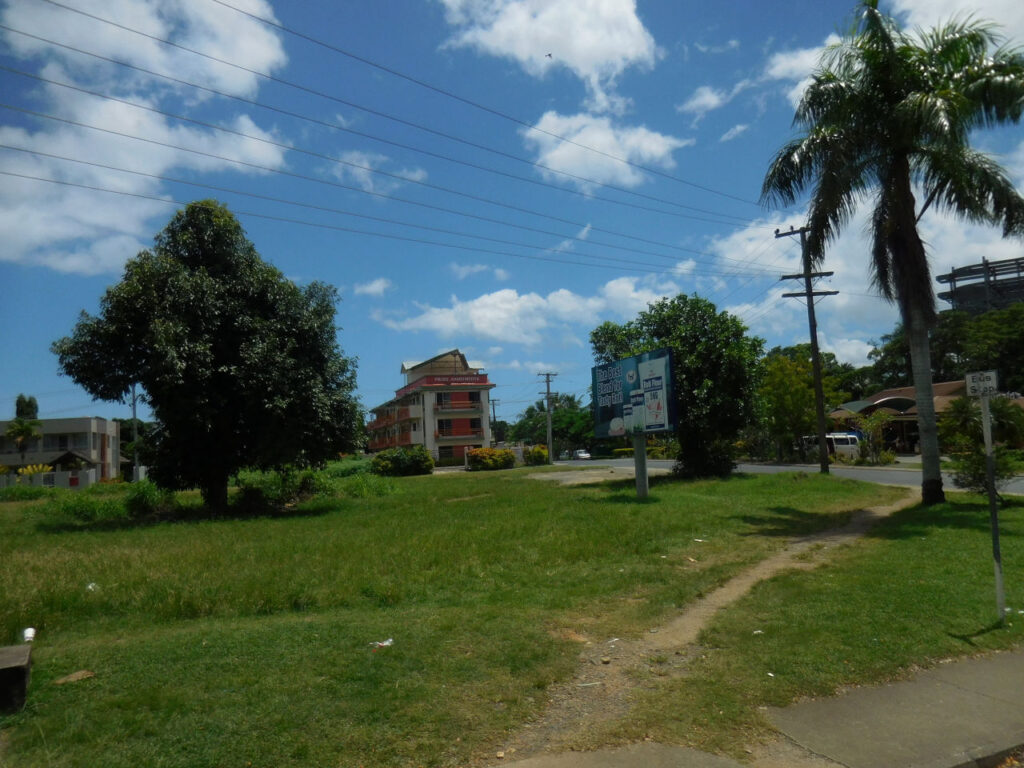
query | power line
[322, 94]
[475, 104]
[737, 220]
[338, 184]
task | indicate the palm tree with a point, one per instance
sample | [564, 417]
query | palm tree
[21, 431]
[887, 112]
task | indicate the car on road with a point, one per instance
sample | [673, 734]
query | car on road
[581, 453]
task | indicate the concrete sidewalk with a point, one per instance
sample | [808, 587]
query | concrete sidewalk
[962, 714]
[955, 715]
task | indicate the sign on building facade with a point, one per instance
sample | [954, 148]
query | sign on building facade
[634, 396]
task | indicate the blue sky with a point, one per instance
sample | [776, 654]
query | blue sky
[494, 175]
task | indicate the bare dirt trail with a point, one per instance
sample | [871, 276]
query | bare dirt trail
[611, 669]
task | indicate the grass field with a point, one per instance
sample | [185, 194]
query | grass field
[249, 641]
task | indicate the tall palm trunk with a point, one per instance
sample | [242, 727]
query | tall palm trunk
[927, 428]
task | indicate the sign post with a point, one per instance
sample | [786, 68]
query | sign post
[633, 397]
[982, 384]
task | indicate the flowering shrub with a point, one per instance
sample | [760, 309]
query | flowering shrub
[491, 458]
[395, 462]
[536, 455]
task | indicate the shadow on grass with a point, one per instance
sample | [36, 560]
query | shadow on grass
[191, 513]
[787, 521]
[968, 515]
[995, 626]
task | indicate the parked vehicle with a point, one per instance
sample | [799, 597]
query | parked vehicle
[581, 453]
[845, 444]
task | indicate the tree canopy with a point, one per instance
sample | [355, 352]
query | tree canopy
[26, 407]
[714, 370]
[886, 110]
[240, 366]
[572, 424]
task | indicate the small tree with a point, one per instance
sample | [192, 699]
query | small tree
[961, 431]
[873, 428]
[240, 366]
[714, 374]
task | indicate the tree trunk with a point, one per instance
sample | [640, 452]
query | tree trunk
[215, 494]
[928, 433]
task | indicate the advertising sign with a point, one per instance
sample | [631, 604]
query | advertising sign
[634, 396]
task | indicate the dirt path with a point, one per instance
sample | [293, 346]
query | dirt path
[610, 669]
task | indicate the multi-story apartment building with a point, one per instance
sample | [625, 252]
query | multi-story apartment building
[90, 443]
[443, 406]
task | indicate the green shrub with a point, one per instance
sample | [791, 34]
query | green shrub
[86, 508]
[145, 499]
[270, 491]
[24, 492]
[536, 455]
[399, 462]
[491, 458]
[622, 453]
[367, 485]
[352, 465]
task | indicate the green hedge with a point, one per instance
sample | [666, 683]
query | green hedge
[491, 458]
[536, 455]
[397, 462]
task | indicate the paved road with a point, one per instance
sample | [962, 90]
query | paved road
[881, 475]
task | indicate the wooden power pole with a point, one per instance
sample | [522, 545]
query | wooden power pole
[809, 293]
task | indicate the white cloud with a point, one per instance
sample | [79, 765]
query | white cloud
[733, 132]
[637, 145]
[707, 99]
[1008, 14]
[597, 40]
[795, 67]
[508, 317]
[206, 27]
[367, 171]
[71, 229]
[731, 45]
[462, 271]
[377, 287]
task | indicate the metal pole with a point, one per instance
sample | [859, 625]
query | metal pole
[993, 510]
[640, 464]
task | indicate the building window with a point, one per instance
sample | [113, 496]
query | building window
[444, 426]
[475, 424]
[474, 397]
[446, 452]
[443, 398]
[415, 426]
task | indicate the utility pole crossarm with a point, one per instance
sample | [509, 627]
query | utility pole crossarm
[809, 293]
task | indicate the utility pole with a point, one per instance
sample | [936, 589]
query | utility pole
[809, 293]
[494, 419]
[547, 394]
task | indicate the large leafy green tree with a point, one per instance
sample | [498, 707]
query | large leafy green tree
[887, 110]
[572, 425]
[714, 374]
[26, 407]
[240, 366]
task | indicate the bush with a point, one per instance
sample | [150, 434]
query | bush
[491, 458]
[538, 454]
[267, 492]
[348, 466]
[623, 453]
[367, 485]
[145, 499]
[87, 508]
[970, 468]
[399, 462]
[24, 492]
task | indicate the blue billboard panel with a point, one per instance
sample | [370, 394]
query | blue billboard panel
[634, 395]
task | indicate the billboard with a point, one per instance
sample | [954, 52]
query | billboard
[634, 395]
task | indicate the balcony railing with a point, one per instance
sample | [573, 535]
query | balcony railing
[392, 441]
[460, 405]
[458, 434]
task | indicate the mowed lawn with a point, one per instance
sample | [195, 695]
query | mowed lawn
[252, 641]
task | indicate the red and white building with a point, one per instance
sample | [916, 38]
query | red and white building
[444, 406]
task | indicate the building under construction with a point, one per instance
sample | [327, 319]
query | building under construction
[986, 286]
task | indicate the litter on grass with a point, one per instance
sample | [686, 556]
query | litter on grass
[382, 643]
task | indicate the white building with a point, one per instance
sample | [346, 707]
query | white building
[82, 443]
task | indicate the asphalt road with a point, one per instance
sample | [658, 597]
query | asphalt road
[881, 475]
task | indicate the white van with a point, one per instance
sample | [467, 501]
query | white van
[845, 444]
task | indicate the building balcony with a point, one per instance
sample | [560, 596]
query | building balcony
[391, 441]
[459, 434]
[458, 407]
